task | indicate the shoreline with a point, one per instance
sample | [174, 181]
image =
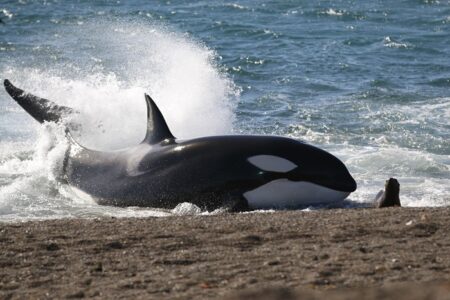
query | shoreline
[227, 255]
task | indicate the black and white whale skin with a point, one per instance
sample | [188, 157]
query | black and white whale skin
[235, 172]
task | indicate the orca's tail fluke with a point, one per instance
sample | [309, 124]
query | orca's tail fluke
[42, 110]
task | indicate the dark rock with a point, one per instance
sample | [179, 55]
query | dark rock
[114, 245]
[52, 247]
[76, 295]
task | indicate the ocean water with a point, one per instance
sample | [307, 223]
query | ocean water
[368, 81]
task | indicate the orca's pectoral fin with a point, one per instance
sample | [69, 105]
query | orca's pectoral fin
[157, 129]
[42, 110]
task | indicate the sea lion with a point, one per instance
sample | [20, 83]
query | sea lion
[391, 195]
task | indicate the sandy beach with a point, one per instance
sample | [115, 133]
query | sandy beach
[402, 253]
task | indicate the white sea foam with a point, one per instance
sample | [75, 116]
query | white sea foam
[389, 42]
[180, 75]
[235, 5]
[333, 12]
[186, 208]
[7, 13]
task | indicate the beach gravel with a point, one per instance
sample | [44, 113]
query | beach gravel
[391, 253]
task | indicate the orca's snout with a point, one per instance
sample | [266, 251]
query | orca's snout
[333, 173]
[349, 185]
[344, 181]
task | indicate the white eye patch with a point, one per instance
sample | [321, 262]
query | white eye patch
[272, 163]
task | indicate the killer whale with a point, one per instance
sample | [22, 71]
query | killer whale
[238, 172]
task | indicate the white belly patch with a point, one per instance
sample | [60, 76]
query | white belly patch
[283, 193]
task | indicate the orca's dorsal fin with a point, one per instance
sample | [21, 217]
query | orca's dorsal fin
[157, 129]
[42, 110]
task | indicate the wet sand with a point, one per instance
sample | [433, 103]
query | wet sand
[391, 253]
